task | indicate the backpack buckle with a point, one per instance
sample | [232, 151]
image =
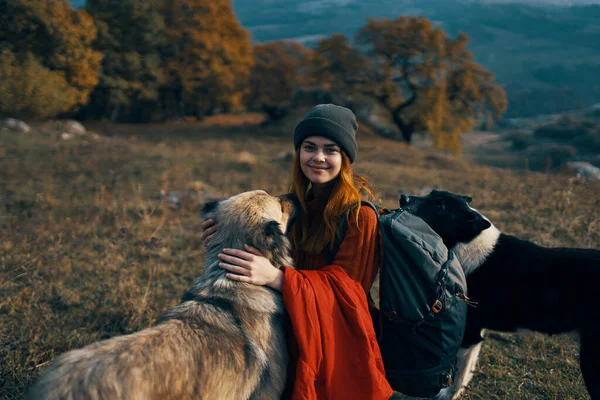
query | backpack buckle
[437, 307]
[446, 379]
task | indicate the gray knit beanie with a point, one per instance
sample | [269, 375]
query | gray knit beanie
[333, 122]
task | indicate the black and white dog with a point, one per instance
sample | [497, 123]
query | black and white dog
[516, 284]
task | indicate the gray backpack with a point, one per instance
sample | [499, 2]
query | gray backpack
[423, 303]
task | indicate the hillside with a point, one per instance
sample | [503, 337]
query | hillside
[546, 57]
[90, 249]
[545, 143]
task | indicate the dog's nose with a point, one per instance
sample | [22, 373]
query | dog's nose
[404, 200]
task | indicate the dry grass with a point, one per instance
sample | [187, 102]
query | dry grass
[89, 251]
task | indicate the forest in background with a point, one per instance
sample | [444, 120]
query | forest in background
[155, 60]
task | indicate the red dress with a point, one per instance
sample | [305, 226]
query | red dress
[333, 346]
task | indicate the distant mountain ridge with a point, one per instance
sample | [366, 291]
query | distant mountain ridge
[545, 55]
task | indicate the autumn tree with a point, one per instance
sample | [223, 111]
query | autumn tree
[30, 90]
[338, 67]
[208, 57]
[423, 78]
[280, 68]
[131, 37]
[59, 38]
[427, 80]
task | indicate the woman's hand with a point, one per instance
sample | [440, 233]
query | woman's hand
[209, 228]
[251, 266]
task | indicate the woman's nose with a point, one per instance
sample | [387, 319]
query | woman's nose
[319, 156]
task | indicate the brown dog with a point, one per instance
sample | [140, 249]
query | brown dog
[225, 340]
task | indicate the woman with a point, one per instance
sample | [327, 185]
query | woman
[326, 303]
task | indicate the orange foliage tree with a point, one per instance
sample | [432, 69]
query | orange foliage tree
[59, 37]
[280, 69]
[424, 79]
[343, 72]
[208, 56]
[427, 80]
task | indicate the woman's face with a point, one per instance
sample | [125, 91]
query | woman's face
[320, 159]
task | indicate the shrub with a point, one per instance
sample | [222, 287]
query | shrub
[583, 134]
[521, 139]
[29, 90]
[566, 129]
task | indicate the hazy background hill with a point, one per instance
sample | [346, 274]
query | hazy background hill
[546, 56]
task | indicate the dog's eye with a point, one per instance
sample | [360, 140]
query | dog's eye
[441, 205]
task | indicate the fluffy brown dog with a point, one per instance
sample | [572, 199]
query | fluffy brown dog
[225, 340]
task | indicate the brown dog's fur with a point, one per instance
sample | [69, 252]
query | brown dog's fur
[225, 340]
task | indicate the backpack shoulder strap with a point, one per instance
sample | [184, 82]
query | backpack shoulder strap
[341, 232]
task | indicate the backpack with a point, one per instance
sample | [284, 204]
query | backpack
[422, 300]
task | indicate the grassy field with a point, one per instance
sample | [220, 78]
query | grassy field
[90, 250]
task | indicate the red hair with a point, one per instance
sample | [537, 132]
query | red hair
[312, 235]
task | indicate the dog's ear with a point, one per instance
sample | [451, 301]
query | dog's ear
[404, 200]
[467, 199]
[275, 242]
[272, 229]
[209, 207]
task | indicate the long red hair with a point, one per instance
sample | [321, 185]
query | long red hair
[312, 235]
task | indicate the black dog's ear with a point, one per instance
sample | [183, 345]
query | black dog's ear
[404, 200]
[209, 207]
[467, 199]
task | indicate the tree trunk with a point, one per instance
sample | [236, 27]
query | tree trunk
[115, 113]
[406, 130]
[379, 130]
